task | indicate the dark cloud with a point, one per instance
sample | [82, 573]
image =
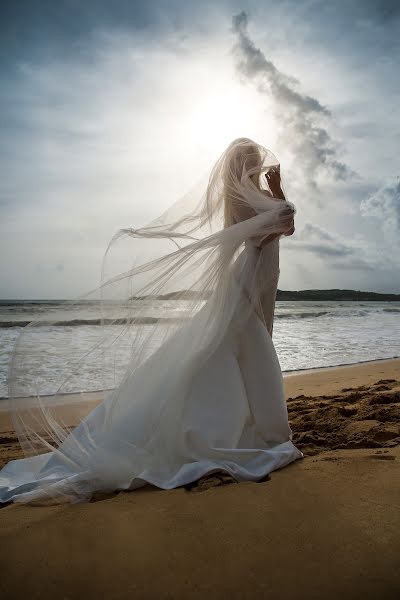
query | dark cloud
[360, 30]
[35, 30]
[300, 116]
[327, 250]
[44, 29]
[386, 9]
[329, 247]
[384, 208]
[355, 10]
[334, 253]
[319, 241]
[311, 231]
[354, 264]
[338, 253]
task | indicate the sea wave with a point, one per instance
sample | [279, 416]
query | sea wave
[149, 320]
[325, 313]
[80, 322]
[302, 315]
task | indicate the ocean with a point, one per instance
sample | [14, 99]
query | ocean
[306, 335]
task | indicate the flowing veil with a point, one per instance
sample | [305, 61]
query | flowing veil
[177, 275]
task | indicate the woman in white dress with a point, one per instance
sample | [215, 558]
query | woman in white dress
[199, 392]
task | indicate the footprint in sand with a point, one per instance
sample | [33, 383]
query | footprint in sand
[210, 481]
[382, 456]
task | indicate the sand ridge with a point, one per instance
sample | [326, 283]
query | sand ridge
[360, 417]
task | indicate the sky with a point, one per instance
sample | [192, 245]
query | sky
[110, 111]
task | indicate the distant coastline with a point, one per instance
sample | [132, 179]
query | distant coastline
[331, 295]
[336, 295]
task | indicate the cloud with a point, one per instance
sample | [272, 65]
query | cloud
[355, 264]
[384, 207]
[320, 242]
[335, 251]
[311, 231]
[300, 117]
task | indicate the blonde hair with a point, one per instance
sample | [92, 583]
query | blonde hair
[243, 162]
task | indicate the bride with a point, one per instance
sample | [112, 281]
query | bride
[195, 391]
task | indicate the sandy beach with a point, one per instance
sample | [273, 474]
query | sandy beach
[326, 526]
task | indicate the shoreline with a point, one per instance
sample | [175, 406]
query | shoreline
[87, 396]
[355, 405]
[290, 372]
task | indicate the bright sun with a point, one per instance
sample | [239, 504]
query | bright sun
[229, 111]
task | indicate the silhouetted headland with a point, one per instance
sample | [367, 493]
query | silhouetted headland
[313, 295]
[335, 295]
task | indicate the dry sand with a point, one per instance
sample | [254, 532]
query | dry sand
[323, 527]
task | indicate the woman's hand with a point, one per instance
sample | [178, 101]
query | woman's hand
[290, 231]
[290, 221]
[287, 227]
[273, 177]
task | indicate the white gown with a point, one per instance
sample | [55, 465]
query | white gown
[233, 418]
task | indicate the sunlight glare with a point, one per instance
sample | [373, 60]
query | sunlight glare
[234, 111]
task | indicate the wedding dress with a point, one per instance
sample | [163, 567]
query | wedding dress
[210, 396]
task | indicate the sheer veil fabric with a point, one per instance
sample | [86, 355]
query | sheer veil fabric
[195, 390]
